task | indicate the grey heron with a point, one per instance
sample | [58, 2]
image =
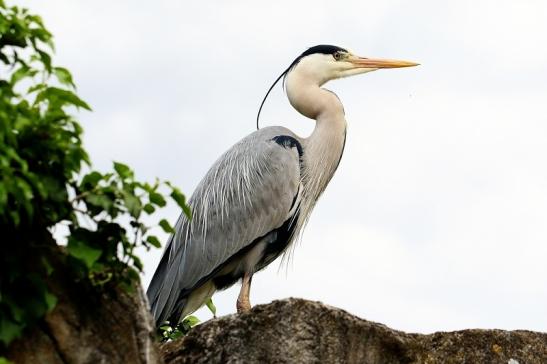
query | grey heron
[257, 197]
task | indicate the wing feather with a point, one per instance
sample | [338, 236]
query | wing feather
[248, 192]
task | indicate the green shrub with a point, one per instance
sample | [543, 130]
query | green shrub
[41, 184]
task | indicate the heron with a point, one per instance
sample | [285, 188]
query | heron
[255, 200]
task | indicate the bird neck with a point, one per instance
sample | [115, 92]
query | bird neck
[323, 148]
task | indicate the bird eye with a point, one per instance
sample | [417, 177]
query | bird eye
[337, 55]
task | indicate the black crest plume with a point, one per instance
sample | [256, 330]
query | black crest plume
[321, 49]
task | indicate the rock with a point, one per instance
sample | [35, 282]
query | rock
[88, 326]
[300, 331]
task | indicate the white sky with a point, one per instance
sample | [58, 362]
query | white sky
[437, 216]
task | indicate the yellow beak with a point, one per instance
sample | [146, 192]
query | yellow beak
[361, 62]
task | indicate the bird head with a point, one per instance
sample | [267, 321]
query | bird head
[323, 63]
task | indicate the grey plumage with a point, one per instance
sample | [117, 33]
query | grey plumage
[247, 193]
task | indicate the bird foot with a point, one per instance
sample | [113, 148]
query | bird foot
[243, 306]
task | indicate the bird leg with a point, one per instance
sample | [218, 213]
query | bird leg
[243, 303]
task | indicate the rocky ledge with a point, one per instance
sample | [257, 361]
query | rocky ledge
[300, 331]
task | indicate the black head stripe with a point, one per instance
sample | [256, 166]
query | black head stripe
[323, 49]
[318, 49]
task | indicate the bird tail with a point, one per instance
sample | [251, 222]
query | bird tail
[156, 292]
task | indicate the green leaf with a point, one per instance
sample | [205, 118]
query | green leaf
[149, 209]
[64, 76]
[46, 59]
[90, 180]
[23, 72]
[51, 300]
[191, 321]
[176, 334]
[9, 330]
[211, 306]
[59, 98]
[25, 188]
[180, 199]
[157, 199]
[4, 58]
[101, 201]
[154, 241]
[166, 226]
[187, 211]
[123, 170]
[137, 262]
[5, 361]
[38, 87]
[82, 251]
[17, 313]
[132, 203]
[24, 195]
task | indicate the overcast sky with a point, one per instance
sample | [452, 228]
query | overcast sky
[437, 216]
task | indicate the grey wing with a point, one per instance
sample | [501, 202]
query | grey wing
[247, 193]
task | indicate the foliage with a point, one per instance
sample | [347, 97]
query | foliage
[41, 184]
[211, 306]
[169, 332]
